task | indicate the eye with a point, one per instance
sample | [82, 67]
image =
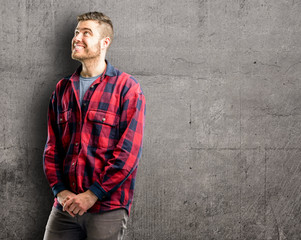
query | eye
[86, 33]
[76, 33]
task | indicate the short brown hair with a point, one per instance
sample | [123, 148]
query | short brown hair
[102, 20]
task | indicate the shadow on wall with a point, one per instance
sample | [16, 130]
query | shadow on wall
[64, 65]
[61, 65]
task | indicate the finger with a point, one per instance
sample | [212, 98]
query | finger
[64, 201]
[70, 213]
[67, 204]
[72, 207]
[76, 210]
[81, 212]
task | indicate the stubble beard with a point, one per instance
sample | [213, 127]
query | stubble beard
[87, 54]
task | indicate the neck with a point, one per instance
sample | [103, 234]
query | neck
[93, 68]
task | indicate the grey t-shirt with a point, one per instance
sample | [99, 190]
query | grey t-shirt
[84, 84]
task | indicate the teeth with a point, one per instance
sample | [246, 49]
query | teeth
[77, 46]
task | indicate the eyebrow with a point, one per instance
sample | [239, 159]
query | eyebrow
[82, 29]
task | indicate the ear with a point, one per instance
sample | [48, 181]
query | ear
[105, 43]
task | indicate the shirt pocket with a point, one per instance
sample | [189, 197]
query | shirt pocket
[63, 119]
[103, 128]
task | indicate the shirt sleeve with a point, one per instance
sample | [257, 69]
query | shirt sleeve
[127, 152]
[52, 161]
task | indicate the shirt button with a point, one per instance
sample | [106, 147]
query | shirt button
[72, 164]
[103, 119]
[76, 144]
[92, 86]
[84, 104]
[73, 183]
[61, 119]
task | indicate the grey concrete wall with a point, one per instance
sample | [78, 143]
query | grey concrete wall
[222, 79]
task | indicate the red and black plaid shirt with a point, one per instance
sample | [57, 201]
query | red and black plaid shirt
[96, 146]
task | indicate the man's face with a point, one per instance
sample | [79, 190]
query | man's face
[86, 43]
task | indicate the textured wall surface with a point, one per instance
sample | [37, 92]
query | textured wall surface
[222, 80]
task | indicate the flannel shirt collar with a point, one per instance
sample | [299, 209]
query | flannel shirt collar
[109, 71]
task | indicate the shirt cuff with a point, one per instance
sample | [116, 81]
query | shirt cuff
[98, 191]
[58, 188]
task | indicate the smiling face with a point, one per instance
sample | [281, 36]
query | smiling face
[87, 40]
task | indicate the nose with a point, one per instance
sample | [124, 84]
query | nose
[77, 37]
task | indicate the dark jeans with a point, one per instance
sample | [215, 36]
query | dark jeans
[90, 226]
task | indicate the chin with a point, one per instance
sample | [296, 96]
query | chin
[75, 57]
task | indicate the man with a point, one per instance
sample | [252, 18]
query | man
[95, 130]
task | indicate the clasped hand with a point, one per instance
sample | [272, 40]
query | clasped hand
[76, 203]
